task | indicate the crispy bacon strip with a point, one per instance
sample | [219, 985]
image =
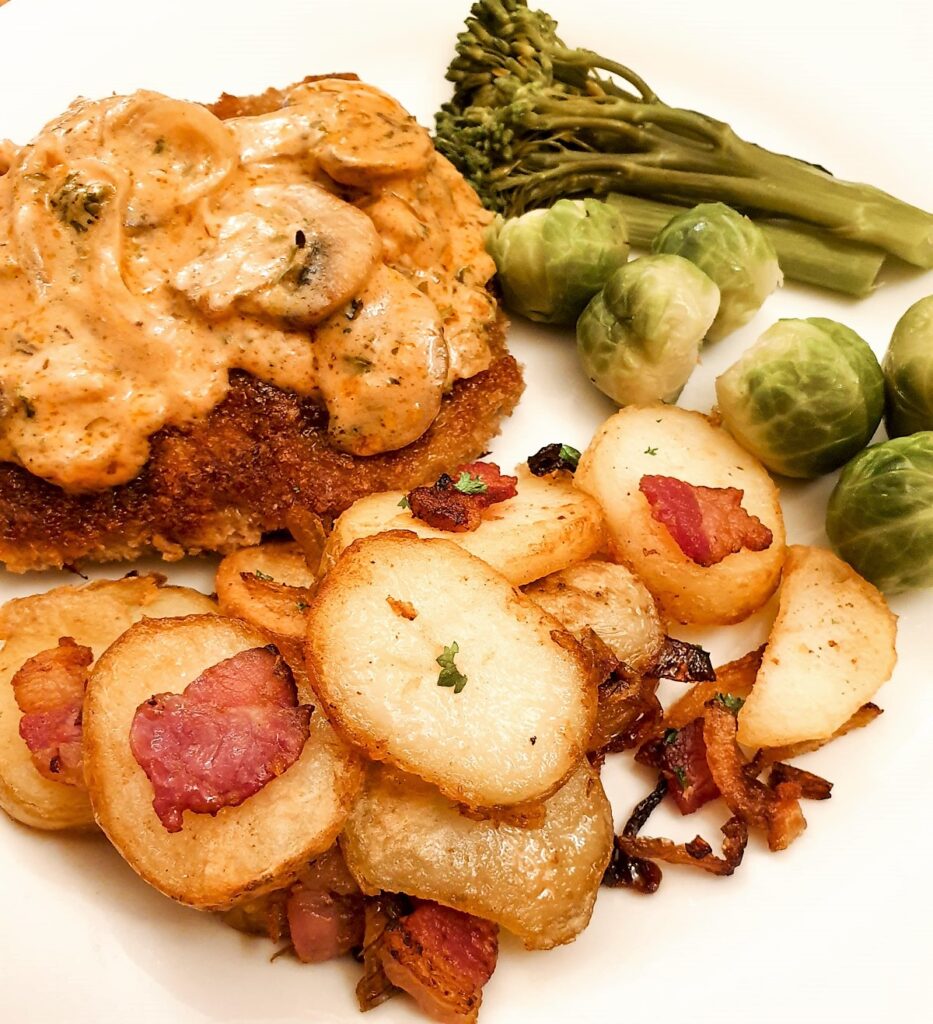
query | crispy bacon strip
[49, 690]
[776, 811]
[445, 507]
[442, 958]
[682, 662]
[737, 678]
[680, 756]
[234, 729]
[707, 523]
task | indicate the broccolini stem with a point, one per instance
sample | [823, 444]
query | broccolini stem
[806, 254]
[532, 120]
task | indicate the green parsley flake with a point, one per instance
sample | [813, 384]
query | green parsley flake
[468, 484]
[404, 503]
[450, 675]
[651, 451]
[729, 702]
[681, 776]
[264, 576]
[669, 736]
[569, 456]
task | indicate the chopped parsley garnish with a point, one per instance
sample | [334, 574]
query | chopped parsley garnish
[264, 576]
[302, 606]
[468, 484]
[669, 736]
[651, 451]
[404, 503]
[681, 776]
[79, 205]
[450, 675]
[729, 702]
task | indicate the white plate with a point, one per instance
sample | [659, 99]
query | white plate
[835, 929]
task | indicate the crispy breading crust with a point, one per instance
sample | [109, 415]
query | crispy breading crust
[221, 482]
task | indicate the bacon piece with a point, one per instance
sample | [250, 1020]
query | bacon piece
[776, 811]
[812, 787]
[498, 486]
[707, 523]
[325, 910]
[680, 756]
[442, 958]
[49, 690]
[445, 507]
[234, 729]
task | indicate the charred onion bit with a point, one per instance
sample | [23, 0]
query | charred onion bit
[697, 853]
[455, 503]
[380, 912]
[442, 958]
[49, 690]
[775, 811]
[707, 523]
[736, 678]
[680, 756]
[552, 458]
[325, 910]
[233, 730]
[628, 872]
[682, 662]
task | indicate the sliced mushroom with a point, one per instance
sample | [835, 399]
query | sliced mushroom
[369, 137]
[381, 366]
[292, 251]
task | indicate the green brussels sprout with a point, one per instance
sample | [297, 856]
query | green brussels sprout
[733, 251]
[908, 372]
[639, 338]
[804, 398]
[552, 262]
[880, 514]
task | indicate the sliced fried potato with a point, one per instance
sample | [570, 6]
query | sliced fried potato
[830, 649]
[269, 586]
[667, 441]
[94, 615]
[547, 526]
[503, 725]
[250, 849]
[540, 883]
[609, 599]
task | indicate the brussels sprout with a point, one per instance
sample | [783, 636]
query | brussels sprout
[804, 398]
[640, 337]
[733, 251]
[908, 372]
[880, 514]
[552, 262]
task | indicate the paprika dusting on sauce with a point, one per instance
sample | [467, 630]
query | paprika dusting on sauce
[147, 248]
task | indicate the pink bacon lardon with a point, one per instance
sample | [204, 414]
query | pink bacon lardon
[49, 690]
[233, 730]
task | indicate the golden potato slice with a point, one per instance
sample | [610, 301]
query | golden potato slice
[391, 607]
[609, 599]
[94, 615]
[274, 595]
[547, 526]
[212, 861]
[667, 441]
[831, 647]
[540, 883]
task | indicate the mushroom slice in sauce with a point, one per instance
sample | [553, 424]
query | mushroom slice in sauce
[290, 251]
[368, 136]
[381, 366]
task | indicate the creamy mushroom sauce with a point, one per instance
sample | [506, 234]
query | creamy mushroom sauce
[147, 248]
